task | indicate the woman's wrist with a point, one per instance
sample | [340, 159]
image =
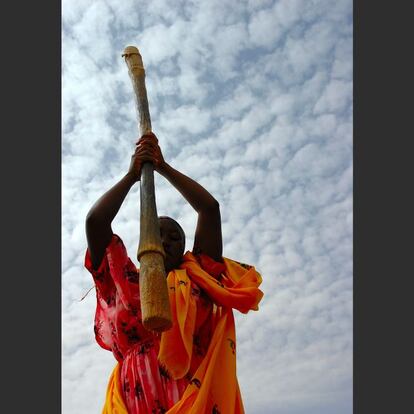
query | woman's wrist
[163, 169]
[131, 178]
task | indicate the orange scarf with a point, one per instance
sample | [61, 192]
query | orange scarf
[214, 384]
[214, 387]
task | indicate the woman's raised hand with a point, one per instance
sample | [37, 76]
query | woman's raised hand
[147, 149]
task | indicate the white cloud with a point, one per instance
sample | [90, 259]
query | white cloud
[264, 29]
[252, 99]
[335, 98]
[189, 119]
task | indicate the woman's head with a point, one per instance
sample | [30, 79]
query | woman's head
[173, 242]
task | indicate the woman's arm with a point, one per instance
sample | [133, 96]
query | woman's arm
[208, 238]
[100, 216]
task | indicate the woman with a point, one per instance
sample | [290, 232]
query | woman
[191, 367]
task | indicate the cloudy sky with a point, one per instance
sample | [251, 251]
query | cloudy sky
[253, 99]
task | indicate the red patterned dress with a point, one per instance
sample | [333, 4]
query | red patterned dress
[146, 385]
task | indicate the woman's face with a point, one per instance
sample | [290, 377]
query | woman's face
[172, 242]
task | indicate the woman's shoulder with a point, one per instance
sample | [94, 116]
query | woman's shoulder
[207, 263]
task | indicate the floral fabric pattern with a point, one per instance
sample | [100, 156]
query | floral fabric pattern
[145, 384]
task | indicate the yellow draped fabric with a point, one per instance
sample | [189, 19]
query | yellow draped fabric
[114, 403]
[213, 387]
